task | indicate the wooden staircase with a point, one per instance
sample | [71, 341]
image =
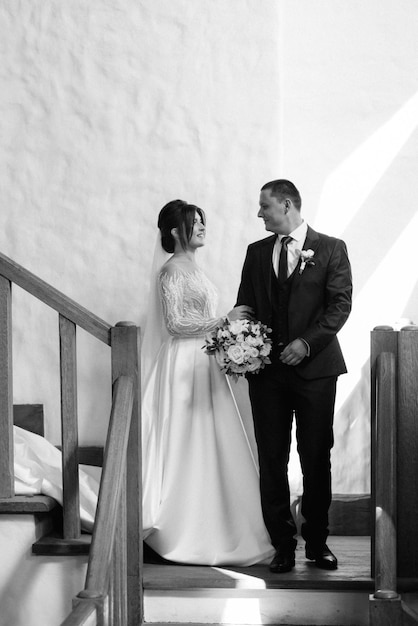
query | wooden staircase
[112, 591]
[354, 595]
[307, 596]
[252, 595]
[45, 508]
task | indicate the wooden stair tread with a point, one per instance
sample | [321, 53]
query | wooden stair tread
[354, 572]
[28, 504]
[54, 545]
[256, 578]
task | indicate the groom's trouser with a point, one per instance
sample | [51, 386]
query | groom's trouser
[276, 393]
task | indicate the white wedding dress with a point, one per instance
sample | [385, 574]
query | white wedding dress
[201, 501]
[37, 469]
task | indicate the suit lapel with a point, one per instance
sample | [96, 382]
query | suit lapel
[311, 243]
[312, 240]
[267, 262]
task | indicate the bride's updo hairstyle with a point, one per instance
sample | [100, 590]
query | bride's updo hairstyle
[178, 214]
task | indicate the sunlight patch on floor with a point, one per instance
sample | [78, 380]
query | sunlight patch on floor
[241, 611]
[243, 580]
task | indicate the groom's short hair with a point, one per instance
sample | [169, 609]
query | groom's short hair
[282, 188]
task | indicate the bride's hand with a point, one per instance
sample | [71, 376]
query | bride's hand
[241, 312]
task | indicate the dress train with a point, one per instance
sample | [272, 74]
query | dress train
[37, 469]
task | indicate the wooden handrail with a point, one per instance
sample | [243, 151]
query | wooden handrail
[83, 614]
[70, 315]
[55, 299]
[110, 504]
[120, 496]
[110, 487]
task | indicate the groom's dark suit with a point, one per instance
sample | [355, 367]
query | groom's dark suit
[313, 306]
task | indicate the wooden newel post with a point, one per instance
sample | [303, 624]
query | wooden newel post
[385, 511]
[385, 604]
[6, 391]
[383, 339]
[407, 451]
[125, 343]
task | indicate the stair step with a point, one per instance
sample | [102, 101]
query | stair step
[27, 504]
[353, 572]
[292, 607]
[34, 590]
[51, 544]
[54, 545]
[253, 595]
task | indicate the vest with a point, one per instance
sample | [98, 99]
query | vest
[280, 294]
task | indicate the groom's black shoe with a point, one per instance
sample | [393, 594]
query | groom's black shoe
[283, 561]
[322, 556]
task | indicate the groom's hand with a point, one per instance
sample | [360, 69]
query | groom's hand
[241, 312]
[294, 352]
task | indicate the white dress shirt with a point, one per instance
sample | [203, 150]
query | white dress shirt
[293, 248]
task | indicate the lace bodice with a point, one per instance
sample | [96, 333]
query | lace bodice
[189, 302]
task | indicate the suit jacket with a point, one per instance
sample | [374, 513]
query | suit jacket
[319, 301]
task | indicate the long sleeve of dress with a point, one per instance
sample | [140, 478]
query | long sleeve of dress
[189, 303]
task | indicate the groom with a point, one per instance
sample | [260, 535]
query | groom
[298, 282]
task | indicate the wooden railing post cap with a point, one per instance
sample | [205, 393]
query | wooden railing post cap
[410, 327]
[386, 594]
[119, 324]
[383, 327]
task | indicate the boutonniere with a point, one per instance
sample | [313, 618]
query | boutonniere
[306, 258]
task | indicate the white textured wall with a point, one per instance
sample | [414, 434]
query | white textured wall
[349, 117]
[35, 590]
[110, 108]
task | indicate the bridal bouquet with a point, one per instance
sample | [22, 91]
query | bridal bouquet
[239, 347]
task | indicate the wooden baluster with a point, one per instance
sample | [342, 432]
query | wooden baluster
[69, 426]
[125, 345]
[6, 391]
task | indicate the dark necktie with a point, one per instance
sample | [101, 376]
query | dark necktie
[283, 259]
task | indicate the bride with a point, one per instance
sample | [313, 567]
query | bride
[201, 501]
